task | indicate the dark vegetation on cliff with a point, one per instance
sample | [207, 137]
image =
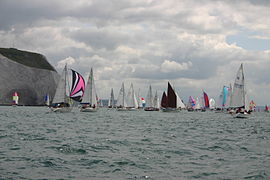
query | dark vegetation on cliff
[27, 58]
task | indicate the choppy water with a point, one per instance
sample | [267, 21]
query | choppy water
[35, 144]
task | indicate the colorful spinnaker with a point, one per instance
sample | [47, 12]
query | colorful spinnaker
[78, 86]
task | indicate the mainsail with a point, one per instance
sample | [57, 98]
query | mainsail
[47, 100]
[171, 96]
[111, 100]
[90, 96]
[121, 100]
[61, 90]
[78, 86]
[149, 98]
[164, 100]
[238, 93]
[206, 100]
[131, 98]
[156, 101]
[212, 103]
[191, 102]
[179, 102]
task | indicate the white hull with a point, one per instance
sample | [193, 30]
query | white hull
[122, 109]
[132, 109]
[241, 115]
[88, 109]
[61, 109]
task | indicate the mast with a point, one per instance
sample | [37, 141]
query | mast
[65, 84]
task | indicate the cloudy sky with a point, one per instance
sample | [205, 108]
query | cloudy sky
[194, 44]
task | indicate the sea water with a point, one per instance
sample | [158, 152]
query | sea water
[38, 144]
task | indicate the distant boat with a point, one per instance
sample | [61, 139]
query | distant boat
[150, 104]
[89, 100]
[111, 103]
[238, 101]
[191, 103]
[206, 104]
[15, 99]
[132, 103]
[156, 102]
[197, 105]
[179, 103]
[140, 100]
[121, 104]
[47, 100]
[266, 109]
[169, 101]
[212, 104]
[61, 101]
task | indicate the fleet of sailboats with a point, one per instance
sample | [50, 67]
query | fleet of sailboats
[233, 99]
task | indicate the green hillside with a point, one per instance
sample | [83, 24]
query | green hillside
[27, 58]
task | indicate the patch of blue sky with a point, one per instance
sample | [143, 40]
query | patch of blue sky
[254, 41]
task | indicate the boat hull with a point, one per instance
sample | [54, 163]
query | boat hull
[61, 109]
[241, 115]
[122, 109]
[170, 110]
[151, 109]
[88, 109]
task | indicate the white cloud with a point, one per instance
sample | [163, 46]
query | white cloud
[69, 61]
[171, 66]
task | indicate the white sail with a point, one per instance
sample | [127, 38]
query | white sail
[220, 100]
[212, 103]
[61, 90]
[121, 100]
[47, 100]
[179, 102]
[156, 102]
[90, 96]
[238, 93]
[111, 100]
[15, 98]
[149, 98]
[139, 100]
[197, 105]
[229, 98]
[131, 98]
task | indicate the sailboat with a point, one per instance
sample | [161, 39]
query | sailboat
[61, 101]
[150, 101]
[212, 104]
[169, 105]
[266, 108]
[47, 100]
[140, 100]
[89, 100]
[191, 103]
[111, 103]
[15, 99]
[121, 104]
[238, 98]
[179, 103]
[197, 106]
[156, 102]
[132, 103]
